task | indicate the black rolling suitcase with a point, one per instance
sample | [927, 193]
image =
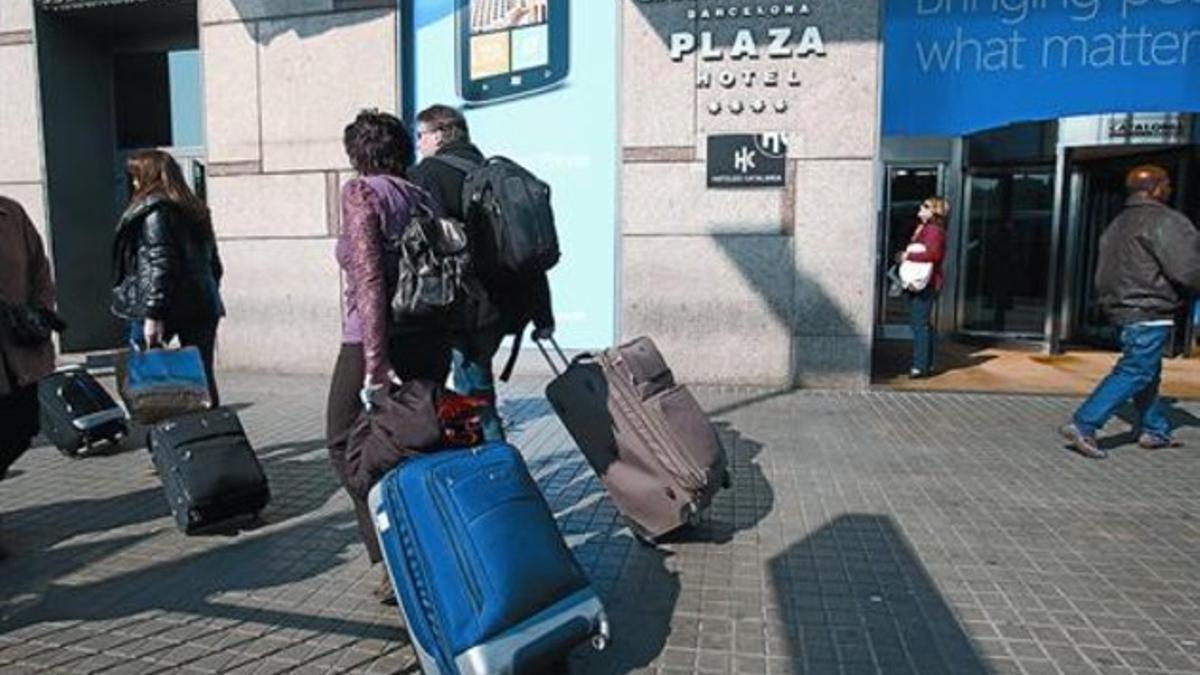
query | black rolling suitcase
[209, 470]
[77, 412]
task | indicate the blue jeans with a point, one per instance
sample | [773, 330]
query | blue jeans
[923, 335]
[1137, 375]
[471, 360]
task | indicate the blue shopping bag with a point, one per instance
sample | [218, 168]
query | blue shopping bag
[156, 384]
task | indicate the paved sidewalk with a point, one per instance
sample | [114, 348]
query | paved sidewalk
[884, 532]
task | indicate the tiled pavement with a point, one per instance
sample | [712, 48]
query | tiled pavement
[865, 533]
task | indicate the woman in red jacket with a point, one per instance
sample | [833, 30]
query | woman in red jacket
[931, 235]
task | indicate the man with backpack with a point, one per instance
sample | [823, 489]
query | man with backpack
[510, 231]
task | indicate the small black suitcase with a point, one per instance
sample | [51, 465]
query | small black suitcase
[209, 470]
[77, 412]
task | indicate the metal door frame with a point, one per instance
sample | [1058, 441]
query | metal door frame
[961, 252]
[894, 331]
[1073, 195]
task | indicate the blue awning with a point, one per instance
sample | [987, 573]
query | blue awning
[953, 67]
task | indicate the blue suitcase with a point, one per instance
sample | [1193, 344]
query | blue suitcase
[484, 580]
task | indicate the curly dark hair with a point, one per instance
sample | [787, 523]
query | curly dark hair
[377, 143]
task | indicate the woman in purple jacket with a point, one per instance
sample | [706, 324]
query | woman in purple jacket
[375, 208]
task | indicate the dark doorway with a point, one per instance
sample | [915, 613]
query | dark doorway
[1099, 184]
[1005, 262]
[907, 187]
[114, 77]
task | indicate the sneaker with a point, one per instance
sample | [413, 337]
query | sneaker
[917, 374]
[1151, 441]
[1082, 443]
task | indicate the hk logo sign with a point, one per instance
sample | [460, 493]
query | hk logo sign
[743, 160]
[747, 160]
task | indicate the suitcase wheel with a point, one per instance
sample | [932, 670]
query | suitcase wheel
[601, 639]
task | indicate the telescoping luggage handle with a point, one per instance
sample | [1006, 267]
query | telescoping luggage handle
[564, 362]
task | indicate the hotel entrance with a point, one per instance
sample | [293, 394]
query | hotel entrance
[1097, 195]
[1030, 203]
[1035, 151]
[1005, 253]
[115, 78]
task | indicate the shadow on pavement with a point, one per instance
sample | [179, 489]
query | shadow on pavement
[519, 413]
[750, 499]
[639, 595]
[635, 581]
[220, 583]
[1178, 416]
[632, 579]
[39, 528]
[301, 478]
[892, 359]
[749, 401]
[28, 576]
[854, 598]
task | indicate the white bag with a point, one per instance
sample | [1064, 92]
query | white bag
[914, 276]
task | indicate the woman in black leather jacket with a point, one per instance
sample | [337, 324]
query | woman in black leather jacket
[166, 268]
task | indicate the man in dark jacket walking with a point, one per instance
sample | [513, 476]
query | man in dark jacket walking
[508, 303]
[1149, 264]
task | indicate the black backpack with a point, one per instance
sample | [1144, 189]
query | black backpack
[515, 207]
[434, 268]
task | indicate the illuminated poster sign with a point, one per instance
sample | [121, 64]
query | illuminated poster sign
[537, 82]
[510, 47]
[957, 66]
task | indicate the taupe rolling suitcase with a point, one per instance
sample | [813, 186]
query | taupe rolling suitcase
[645, 435]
